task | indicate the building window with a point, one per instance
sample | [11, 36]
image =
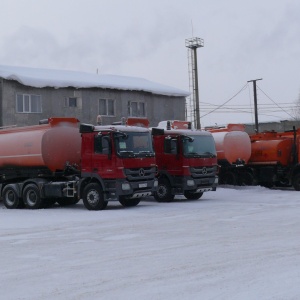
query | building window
[106, 107]
[71, 102]
[28, 103]
[136, 109]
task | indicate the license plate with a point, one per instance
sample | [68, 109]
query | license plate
[142, 185]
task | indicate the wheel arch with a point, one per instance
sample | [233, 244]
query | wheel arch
[165, 175]
[39, 182]
[91, 179]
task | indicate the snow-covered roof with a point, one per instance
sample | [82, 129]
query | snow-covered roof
[40, 78]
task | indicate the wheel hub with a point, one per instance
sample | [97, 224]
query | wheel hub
[93, 197]
[31, 198]
[10, 198]
[162, 191]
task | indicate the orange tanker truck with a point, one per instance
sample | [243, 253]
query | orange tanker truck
[60, 161]
[233, 147]
[269, 158]
[275, 158]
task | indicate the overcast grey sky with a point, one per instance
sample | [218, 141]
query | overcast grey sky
[243, 40]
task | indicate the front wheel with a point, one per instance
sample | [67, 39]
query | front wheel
[129, 202]
[192, 196]
[93, 198]
[164, 191]
[296, 182]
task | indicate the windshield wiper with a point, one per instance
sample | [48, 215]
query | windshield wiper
[205, 154]
[127, 153]
[210, 154]
[147, 153]
[194, 154]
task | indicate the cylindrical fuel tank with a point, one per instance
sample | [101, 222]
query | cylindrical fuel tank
[272, 151]
[51, 145]
[232, 147]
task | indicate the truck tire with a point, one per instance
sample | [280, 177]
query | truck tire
[192, 196]
[296, 182]
[129, 202]
[11, 198]
[245, 178]
[229, 178]
[93, 197]
[164, 191]
[32, 198]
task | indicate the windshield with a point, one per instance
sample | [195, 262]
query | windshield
[134, 144]
[199, 146]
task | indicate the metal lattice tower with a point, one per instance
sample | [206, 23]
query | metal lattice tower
[193, 105]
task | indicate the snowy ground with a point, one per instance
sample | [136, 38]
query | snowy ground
[235, 243]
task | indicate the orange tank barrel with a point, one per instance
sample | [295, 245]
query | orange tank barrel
[232, 147]
[181, 124]
[140, 122]
[276, 151]
[51, 145]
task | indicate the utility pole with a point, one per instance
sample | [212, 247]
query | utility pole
[255, 103]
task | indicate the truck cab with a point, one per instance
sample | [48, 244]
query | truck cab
[117, 163]
[186, 160]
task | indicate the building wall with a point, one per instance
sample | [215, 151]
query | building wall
[276, 126]
[158, 107]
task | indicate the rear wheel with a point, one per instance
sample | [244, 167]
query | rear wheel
[31, 197]
[129, 202]
[11, 198]
[164, 191]
[93, 198]
[246, 178]
[229, 178]
[192, 196]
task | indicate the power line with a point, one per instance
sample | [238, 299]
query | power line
[276, 103]
[226, 101]
[264, 108]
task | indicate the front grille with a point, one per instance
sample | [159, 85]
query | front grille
[137, 174]
[198, 172]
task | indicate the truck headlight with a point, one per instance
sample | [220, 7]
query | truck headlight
[125, 186]
[217, 180]
[190, 182]
[155, 183]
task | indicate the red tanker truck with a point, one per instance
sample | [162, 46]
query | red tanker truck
[58, 162]
[186, 161]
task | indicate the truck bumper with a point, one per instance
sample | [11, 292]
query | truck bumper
[195, 185]
[131, 190]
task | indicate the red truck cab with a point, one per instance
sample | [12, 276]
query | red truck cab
[117, 163]
[186, 160]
